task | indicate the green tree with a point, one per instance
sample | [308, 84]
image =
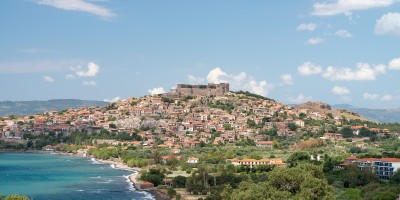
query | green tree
[154, 176]
[298, 157]
[346, 132]
[179, 181]
[395, 178]
[292, 126]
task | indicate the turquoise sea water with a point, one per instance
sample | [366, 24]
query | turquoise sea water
[56, 177]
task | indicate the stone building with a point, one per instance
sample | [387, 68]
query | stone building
[199, 90]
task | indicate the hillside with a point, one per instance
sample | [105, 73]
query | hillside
[325, 108]
[21, 108]
[379, 115]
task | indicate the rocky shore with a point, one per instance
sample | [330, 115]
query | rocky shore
[133, 178]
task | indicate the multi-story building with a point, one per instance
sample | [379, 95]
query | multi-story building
[253, 162]
[381, 167]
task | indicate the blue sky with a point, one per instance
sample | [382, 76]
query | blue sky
[336, 51]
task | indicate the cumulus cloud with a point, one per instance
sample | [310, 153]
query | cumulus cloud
[91, 71]
[156, 91]
[300, 99]
[363, 72]
[306, 27]
[388, 24]
[48, 79]
[309, 68]
[371, 96]
[89, 83]
[115, 99]
[346, 6]
[340, 90]
[240, 81]
[343, 33]
[314, 41]
[386, 97]
[287, 79]
[79, 5]
[217, 76]
[394, 64]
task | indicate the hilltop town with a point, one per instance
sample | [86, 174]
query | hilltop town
[198, 111]
[196, 125]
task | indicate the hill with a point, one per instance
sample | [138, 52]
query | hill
[21, 108]
[325, 108]
[379, 115]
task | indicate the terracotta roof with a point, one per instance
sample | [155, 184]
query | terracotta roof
[265, 142]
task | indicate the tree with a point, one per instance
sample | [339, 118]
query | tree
[346, 132]
[154, 176]
[298, 157]
[179, 182]
[157, 157]
[292, 126]
[305, 181]
[395, 178]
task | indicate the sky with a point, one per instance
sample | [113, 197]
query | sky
[334, 51]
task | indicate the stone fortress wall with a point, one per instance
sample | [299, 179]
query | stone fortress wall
[199, 90]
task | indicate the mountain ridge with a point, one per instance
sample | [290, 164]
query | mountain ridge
[21, 108]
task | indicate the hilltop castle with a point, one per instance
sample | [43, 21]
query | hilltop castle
[199, 90]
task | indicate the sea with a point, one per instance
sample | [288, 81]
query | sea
[45, 176]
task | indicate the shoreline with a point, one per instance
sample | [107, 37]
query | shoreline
[131, 178]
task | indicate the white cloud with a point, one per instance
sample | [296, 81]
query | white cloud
[314, 41]
[115, 99]
[371, 96]
[239, 81]
[79, 5]
[388, 24]
[299, 99]
[363, 72]
[343, 33]
[346, 6]
[306, 27]
[48, 79]
[70, 77]
[195, 80]
[386, 97]
[309, 68]
[92, 70]
[261, 88]
[156, 91]
[89, 83]
[394, 64]
[340, 90]
[217, 76]
[287, 79]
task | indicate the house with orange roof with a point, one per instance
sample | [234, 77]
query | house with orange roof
[264, 144]
[254, 162]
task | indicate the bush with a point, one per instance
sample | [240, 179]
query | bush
[171, 192]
